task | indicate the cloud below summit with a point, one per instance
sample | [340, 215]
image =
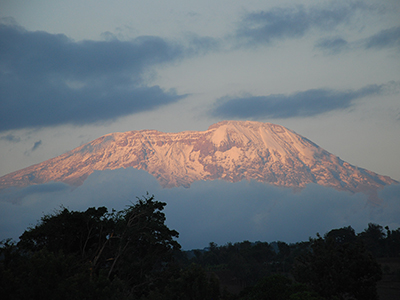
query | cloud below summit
[208, 211]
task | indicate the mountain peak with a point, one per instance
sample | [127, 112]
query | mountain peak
[237, 123]
[228, 150]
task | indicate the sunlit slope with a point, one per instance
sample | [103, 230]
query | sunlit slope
[228, 150]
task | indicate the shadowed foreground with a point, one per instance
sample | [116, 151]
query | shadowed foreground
[132, 254]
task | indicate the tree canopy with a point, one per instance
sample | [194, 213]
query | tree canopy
[337, 266]
[73, 252]
[132, 254]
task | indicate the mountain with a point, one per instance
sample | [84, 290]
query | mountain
[228, 150]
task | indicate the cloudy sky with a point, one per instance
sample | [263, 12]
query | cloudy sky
[72, 71]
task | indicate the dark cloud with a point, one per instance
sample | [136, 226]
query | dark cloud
[10, 138]
[300, 104]
[209, 211]
[264, 27]
[332, 45]
[267, 27]
[200, 45]
[388, 38]
[36, 145]
[49, 79]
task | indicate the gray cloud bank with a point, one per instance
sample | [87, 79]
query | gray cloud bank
[301, 104]
[49, 79]
[388, 38]
[384, 39]
[10, 138]
[209, 211]
[265, 27]
[296, 21]
[332, 45]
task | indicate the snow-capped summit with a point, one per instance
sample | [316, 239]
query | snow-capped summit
[228, 150]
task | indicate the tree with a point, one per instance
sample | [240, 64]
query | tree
[142, 244]
[335, 268]
[374, 239]
[90, 255]
[393, 242]
[342, 235]
[73, 232]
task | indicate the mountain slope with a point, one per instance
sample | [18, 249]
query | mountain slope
[228, 150]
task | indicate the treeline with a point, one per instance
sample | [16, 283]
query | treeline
[132, 254]
[339, 265]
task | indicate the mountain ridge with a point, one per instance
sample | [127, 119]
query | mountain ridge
[228, 150]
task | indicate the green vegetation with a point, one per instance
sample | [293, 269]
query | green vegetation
[132, 254]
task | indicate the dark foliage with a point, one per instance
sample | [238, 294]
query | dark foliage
[340, 265]
[338, 269]
[278, 287]
[191, 283]
[90, 255]
[132, 254]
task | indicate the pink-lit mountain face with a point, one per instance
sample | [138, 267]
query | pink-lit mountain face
[229, 150]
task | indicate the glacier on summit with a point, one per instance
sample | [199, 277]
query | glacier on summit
[228, 150]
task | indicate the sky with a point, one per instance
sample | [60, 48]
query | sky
[72, 71]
